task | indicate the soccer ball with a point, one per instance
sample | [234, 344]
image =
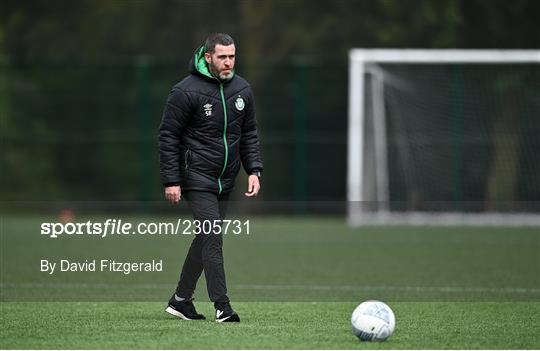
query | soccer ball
[373, 321]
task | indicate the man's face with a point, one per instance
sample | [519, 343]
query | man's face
[221, 61]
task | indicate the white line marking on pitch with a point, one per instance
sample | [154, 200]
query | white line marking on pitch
[418, 289]
[446, 289]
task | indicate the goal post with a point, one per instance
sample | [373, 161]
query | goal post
[444, 137]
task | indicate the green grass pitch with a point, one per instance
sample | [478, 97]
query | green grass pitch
[267, 325]
[294, 282]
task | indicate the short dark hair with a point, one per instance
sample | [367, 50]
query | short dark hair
[217, 38]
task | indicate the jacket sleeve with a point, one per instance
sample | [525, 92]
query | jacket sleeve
[173, 122]
[250, 150]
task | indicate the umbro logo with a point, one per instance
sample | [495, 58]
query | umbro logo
[208, 110]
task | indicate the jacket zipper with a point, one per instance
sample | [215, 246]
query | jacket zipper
[224, 137]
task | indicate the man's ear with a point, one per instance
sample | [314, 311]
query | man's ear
[207, 57]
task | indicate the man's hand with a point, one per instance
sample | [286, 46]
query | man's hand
[173, 194]
[253, 186]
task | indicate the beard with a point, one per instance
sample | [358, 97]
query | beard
[220, 75]
[226, 75]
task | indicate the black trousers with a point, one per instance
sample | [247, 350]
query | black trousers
[206, 250]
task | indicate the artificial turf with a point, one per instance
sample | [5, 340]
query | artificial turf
[266, 325]
[294, 282]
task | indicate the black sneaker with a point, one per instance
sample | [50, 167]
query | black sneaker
[183, 309]
[225, 313]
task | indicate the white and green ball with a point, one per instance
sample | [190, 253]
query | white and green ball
[373, 321]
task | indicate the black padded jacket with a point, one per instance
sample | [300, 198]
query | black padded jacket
[207, 130]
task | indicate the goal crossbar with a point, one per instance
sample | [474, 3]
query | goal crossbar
[444, 56]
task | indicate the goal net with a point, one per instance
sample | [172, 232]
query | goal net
[444, 137]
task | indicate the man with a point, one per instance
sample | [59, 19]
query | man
[207, 130]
